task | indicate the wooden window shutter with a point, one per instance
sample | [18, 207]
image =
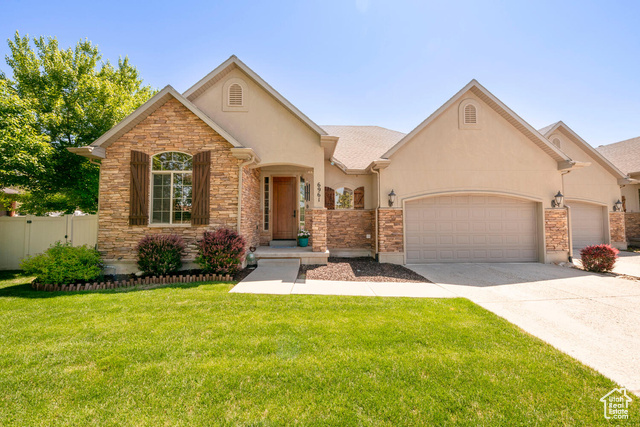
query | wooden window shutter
[201, 188]
[139, 189]
[358, 198]
[329, 198]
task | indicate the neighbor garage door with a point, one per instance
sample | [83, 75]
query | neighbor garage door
[587, 225]
[471, 228]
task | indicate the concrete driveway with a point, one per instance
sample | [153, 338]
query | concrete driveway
[591, 317]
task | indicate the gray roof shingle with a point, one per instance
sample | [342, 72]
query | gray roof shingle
[624, 154]
[546, 129]
[358, 146]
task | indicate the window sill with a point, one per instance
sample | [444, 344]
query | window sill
[169, 225]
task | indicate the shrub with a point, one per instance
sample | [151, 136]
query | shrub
[160, 253]
[62, 264]
[598, 258]
[221, 251]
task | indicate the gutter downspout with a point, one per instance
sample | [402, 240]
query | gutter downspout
[377, 172]
[569, 232]
[252, 159]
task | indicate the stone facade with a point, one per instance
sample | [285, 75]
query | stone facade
[318, 229]
[632, 226]
[251, 222]
[616, 227]
[390, 231]
[172, 127]
[556, 230]
[348, 229]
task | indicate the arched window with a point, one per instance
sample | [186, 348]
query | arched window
[171, 191]
[344, 198]
[556, 142]
[235, 95]
[470, 114]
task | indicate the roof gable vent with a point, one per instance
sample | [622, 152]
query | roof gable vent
[235, 95]
[470, 115]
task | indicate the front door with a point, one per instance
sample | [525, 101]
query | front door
[284, 208]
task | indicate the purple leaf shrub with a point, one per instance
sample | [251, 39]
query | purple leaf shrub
[160, 253]
[221, 251]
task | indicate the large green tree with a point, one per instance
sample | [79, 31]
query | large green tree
[58, 98]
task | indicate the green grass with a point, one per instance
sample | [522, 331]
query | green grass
[197, 355]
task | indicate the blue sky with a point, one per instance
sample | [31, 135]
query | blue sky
[374, 62]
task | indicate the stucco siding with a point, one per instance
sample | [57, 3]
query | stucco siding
[336, 178]
[630, 193]
[591, 183]
[496, 158]
[276, 135]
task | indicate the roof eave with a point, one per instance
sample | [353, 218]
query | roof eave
[88, 151]
[584, 145]
[202, 84]
[148, 108]
[481, 92]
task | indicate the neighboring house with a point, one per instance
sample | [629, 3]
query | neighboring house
[14, 204]
[626, 156]
[473, 182]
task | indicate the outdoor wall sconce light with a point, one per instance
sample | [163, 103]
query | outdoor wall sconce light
[557, 200]
[392, 198]
[617, 206]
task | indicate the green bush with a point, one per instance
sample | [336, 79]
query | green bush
[62, 264]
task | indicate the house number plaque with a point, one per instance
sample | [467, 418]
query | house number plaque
[319, 191]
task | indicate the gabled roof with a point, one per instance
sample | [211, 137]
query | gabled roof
[564, 162]
[584, 145]
[624, 154]
[233, 62]
[96, 150]
[358, 146]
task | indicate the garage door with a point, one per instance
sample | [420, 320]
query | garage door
[471, 228]
[587, 225]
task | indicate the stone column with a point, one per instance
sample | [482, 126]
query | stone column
[556, 231]
[390, 235]
[318, 229]
[617, 230]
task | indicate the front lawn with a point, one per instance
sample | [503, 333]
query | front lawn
[197, 355]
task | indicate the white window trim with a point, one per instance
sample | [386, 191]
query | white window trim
[245, 96]
[461, 122]
[152, 172]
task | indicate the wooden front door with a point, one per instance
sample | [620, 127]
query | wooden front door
[284, 208]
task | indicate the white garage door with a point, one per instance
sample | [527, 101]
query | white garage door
[471, 228]
[587, 225]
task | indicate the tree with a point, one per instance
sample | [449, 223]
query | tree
[345, 199]
[69, 98]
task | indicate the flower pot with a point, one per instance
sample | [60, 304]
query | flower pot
[303, 241]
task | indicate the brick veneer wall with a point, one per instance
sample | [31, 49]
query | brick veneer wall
[556, 230]
[172, 127]
[348, 229]
[390, 230]
[616, 227]
[251, 221]
[632, 225]
[318, 229]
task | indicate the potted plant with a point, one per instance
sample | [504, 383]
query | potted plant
[303, 237]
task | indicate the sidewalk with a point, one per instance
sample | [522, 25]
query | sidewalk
[279, 277]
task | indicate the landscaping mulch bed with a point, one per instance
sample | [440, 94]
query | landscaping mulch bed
[360, 270]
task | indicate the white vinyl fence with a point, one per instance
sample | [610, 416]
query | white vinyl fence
[30, 235]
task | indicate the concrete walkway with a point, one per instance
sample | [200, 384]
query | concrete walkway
[591, 317]
[279, 277]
